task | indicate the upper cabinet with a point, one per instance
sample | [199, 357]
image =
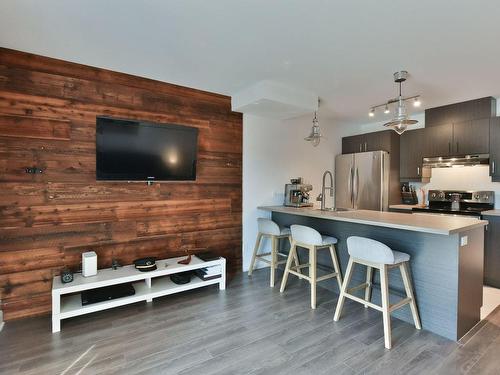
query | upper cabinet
[376, 141]
[410, 167]
[437, 140]
[459, 138]
[465, 111]
[355, 143]
[495, 149]
[471, 137]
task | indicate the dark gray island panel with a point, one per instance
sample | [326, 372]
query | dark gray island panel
[447, 277]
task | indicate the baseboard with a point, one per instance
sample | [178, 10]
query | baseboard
[1, 320]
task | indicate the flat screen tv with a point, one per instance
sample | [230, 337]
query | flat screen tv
[129, 150]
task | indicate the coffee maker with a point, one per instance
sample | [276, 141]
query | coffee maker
[297, 193]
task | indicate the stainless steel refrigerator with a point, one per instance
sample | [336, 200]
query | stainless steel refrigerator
[362, 181]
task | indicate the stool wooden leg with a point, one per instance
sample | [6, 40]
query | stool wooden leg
[368, 290]
[295, 255]
[336, 266]
[384, 286]
[345, 284]
[409, 293]
[312, 274]
[254, 255]
[287, 266]
[274, 255]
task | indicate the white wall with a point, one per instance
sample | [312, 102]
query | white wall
[273, 152]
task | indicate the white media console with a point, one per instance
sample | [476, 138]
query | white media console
[66, 298]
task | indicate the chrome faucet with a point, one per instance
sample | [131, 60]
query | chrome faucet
[321, 197]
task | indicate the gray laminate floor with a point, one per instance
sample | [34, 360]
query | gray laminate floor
[247, 329]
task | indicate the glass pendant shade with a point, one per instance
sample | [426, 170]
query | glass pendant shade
[315, 136]
[401, 121]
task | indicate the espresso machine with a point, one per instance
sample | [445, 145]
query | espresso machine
[297, 193]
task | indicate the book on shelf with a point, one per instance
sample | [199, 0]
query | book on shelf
[209, 271]
[206, 277]
[207, 256]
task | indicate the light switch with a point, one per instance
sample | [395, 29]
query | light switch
[464, 240]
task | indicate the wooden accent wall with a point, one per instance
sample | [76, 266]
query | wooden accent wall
[48, 111]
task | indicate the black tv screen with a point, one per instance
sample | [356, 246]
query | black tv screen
[131, 150]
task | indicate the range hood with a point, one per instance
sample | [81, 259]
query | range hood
[455, 161]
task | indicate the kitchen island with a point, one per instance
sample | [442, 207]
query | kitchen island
[446, 259]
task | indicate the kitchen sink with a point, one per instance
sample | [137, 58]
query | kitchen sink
[336, 209]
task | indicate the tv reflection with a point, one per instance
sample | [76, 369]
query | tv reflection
[171, 156]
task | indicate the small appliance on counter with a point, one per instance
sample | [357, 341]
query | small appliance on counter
[297, 193]
[466, 203]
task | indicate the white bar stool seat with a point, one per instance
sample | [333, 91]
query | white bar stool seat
[268, 228]
[374, 254]
[311, 239]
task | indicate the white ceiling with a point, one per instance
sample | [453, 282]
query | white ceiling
[345, 51]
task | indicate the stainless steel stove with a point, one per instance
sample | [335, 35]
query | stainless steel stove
[456, 202]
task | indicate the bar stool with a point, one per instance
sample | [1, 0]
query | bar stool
[374, 254]
[268, 228]
[311, 239]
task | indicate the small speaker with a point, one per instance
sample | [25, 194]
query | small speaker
[66, 276]
[89, 264]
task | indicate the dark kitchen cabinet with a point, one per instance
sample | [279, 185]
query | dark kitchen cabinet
[471, 137]
[437, 141]
[495, 149]
[492, 252]
[464, 111]
[355, 143]
[376, 141]
[459, 138]
[411, 147]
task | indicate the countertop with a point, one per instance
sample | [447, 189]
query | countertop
[491, 213]
[403, 206]
[444, 225]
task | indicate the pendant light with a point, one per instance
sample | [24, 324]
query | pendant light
[400, 121]
[315, 136]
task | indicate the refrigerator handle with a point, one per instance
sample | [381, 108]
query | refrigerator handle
[349, 185]
[356, 179]
[382, 174]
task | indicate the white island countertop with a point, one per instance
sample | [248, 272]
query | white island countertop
[426, 223]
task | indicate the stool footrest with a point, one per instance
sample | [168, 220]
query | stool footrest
[300, 266]
[361, 300]
[298, 274]
[401, 303]
[326, 277]
[360, 286]
[263, 255]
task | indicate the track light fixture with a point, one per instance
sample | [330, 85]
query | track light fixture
[400, 121]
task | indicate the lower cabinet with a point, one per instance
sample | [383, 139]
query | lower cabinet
[492, 252]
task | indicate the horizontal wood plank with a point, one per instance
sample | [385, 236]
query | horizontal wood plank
[32, 127]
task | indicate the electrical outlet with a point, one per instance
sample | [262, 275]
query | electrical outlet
[464, 241]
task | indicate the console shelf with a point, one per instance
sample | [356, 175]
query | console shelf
[66, 298]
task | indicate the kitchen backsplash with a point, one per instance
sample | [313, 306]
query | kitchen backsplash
[460, 178]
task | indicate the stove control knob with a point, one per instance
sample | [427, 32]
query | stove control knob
[477, 196]
[433, 195]
[441, 195]
[486, 197]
